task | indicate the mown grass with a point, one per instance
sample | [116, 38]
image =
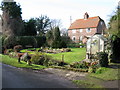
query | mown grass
[77, 54]
[87, 84]
[13, 62]
[107, 74]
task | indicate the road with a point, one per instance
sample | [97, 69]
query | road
[13, 77]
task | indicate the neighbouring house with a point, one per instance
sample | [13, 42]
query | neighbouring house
[82, 29]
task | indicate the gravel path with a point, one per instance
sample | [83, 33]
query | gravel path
[71, 75]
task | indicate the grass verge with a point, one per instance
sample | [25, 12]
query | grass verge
[107, 74]
[14, 62]
[86, 84]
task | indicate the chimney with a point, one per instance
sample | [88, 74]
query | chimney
[86, 16]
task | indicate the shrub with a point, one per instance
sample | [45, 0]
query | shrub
[40, 40]
[63, 44]
[80, 65]
[26, 40]
[73, 45]
[100, 70]
[93, 66]
[10, 42]
[37, 59]
[41, 59]
[103, 59]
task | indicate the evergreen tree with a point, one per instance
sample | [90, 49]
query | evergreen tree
[11, 19]
[114, 30]
[49, 37]
[30, 27]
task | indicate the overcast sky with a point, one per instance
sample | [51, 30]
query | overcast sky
[63, 9]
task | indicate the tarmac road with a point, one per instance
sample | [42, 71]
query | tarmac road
[13, 77]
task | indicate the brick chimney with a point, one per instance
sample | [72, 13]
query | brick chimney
[86, 16]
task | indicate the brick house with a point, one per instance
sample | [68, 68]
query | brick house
[82, 29]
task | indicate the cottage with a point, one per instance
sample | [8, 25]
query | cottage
[95, 44]
[82, 29]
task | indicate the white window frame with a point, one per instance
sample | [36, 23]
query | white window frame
[74, 38]
[88, 30]
[81, 30]
[73, 31]
[81, 38]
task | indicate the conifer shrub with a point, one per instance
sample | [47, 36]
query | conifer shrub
[103, 59]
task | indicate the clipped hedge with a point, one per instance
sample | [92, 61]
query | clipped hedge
[25, 41]
[40, 40]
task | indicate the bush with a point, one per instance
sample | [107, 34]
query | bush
[10, 42]
[63, 44]
[37, 59]
[83, 65]
[100, 70]
[41, 40]
[103, 59]
[93, 66]
[41, 59]
[26, 40]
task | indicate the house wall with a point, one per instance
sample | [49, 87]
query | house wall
[101, 27]
[78, 34]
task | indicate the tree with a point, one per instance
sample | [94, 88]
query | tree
[11, 19]
[54, 39]
[114, 30]
[57, 38]
[55, 23]
[43, 24]
[30, 27]
[49, 37]
[114, 25]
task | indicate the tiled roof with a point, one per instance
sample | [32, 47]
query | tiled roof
[82, 23]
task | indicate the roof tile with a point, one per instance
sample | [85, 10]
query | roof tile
[82, 23]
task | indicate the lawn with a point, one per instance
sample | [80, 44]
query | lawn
[77, 54]
[107, 74]
[13, 62]
[97, 80]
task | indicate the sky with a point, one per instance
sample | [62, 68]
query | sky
[63, 9]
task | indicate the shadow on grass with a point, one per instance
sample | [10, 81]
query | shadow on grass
[114, 66]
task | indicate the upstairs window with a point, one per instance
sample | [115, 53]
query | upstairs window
[81, 30]
[88, 30]
[73, 31]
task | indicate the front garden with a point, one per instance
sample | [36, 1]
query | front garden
[75, 55]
